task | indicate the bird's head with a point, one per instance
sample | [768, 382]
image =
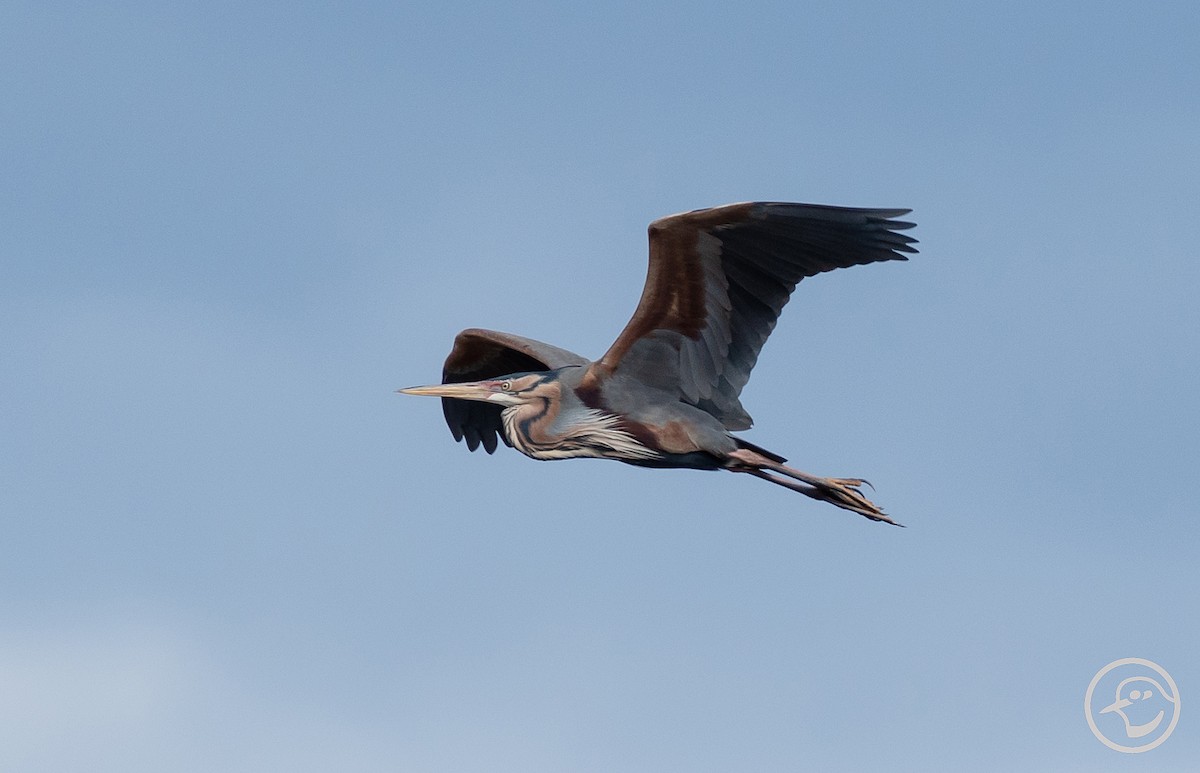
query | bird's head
[508, 391]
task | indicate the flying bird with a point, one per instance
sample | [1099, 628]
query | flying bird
[666, 393]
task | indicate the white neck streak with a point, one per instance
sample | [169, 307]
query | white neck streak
[589, 433]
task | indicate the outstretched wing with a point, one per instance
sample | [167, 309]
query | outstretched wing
[479, 355]
[718, 279]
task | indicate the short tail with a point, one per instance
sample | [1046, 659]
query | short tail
[746, 444]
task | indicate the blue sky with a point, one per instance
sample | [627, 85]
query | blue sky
[231, 230]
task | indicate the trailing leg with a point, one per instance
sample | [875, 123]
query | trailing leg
[843, 492]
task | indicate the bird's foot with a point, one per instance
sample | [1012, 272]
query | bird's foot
[844, 492]
[853, 483]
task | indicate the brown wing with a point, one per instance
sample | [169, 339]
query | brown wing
[479, 355]
[718, 279]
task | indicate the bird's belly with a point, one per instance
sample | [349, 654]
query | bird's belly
[696, 460]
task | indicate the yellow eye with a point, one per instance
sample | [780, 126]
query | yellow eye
[506, 386]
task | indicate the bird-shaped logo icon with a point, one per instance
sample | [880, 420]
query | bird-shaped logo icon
[1139, 693]
[1144, 698]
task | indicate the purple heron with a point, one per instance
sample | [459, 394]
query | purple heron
[665, 394]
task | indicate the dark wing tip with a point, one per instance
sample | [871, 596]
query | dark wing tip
[823, 211]
[489, 442]
[471, 435]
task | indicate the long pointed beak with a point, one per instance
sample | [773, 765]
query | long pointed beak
[475, 390]
[1120, 703]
